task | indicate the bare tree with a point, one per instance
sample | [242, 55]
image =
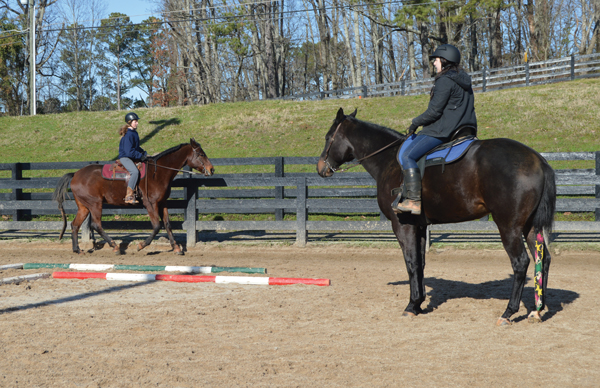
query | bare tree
[46, 40]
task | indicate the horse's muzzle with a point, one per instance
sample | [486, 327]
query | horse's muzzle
[323, 170]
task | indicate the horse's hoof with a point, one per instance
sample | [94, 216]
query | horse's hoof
[534, 317]
[177, 251]
[408, 314]
[140, 246]
[503, 322]
[117, 250]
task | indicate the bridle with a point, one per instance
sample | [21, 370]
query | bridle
[197, 154]
[358, 161]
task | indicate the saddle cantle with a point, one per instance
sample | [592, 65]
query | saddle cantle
[116, 172]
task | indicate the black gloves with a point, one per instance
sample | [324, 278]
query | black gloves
[411, 129]
[144, 158]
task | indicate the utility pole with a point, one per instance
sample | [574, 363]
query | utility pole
[32, 60]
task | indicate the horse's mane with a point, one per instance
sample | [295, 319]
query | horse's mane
[169, 151]
[377, 127]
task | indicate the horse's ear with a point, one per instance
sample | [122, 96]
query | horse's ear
[353, 114]
[340, 116]
[193, 141]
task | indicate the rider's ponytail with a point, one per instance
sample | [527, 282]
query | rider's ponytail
[123, 130]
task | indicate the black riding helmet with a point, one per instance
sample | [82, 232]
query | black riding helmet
[448, 52]
[129, 117]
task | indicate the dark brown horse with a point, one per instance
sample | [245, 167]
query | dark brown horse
[501, 177]
[91, 190]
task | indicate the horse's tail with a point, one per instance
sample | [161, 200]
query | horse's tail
[543, 218]
[59, 196]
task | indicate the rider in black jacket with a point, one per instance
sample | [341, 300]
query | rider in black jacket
[451, 106]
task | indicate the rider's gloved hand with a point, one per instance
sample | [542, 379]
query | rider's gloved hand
[144, 158]
[411, 129]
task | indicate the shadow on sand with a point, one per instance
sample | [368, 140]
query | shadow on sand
[444, 290]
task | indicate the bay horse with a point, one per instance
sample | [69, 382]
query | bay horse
[91, 190]
[501, 177]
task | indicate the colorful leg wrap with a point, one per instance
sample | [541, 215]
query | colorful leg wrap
[539, 258]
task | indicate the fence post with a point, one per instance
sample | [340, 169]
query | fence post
[301, 212]
[322, 95]
[279, 189]
[365, 91]
[484, 80]
[597, 210]
[190, 193]
[403, 87]
[527, 74]
[572, 67]
[17, 175]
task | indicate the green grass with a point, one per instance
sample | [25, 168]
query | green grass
[560, 117]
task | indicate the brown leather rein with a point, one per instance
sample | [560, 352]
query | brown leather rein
[358, 161]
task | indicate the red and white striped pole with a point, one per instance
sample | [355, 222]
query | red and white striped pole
[191, 278]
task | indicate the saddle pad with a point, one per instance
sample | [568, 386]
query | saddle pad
[452, 153]
[114, 172]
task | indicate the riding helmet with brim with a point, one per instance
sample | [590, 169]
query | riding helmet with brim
[130, 117]
[448, 52]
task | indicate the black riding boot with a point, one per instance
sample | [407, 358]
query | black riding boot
[412, 198]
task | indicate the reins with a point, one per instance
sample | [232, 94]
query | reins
[359, 161]
[174, 169]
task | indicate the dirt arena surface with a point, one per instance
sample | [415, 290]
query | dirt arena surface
[99, 333]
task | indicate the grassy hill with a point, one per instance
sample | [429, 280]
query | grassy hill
[550, 118]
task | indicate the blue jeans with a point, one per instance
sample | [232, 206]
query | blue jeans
[133, 171]
[415, 147]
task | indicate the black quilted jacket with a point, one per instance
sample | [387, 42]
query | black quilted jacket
[450, 107]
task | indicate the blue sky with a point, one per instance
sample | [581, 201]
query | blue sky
[143, 9]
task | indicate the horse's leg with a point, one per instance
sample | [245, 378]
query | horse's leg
[411, 239]
[154, 219]
[512, 239]
[541, 255]
[164, 215]
[96, 224]
[82, 213]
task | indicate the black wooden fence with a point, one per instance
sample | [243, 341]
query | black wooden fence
[527, 74]
[277, 193]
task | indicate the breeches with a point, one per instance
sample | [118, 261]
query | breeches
[419, 145]
[133, 171]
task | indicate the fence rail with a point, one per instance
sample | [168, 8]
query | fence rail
[527, 74]
[278, 193]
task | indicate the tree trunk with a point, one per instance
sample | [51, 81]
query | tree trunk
[425, 48]
[359, 78]
[473, 62]
[411, 55]
[495, 33]
[348, 45]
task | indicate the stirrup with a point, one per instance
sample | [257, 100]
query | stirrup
[131, 200]
[396, 203]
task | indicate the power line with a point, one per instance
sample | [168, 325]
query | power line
[249, 17]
